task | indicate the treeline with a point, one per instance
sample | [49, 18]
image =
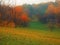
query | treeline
[21, 15]
[12, 16]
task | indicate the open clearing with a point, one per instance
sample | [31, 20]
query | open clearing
[25, 36]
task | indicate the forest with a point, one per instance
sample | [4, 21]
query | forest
[21, 16]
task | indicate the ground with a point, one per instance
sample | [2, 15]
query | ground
[26, 36]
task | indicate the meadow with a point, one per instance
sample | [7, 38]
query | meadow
[36, 24]
[33, 35]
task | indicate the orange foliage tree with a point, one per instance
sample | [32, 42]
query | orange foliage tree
[55, 10]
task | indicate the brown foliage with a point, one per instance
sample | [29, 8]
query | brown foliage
[11, 24]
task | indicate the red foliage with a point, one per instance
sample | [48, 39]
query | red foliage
[24, 17]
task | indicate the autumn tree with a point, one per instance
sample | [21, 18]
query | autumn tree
[24, 19]
[18, 10]
[51, 16]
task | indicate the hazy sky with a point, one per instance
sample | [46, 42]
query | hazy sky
[21, 2]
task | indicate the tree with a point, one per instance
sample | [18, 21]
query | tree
[51, 15]
[24, 19]
[18, 10]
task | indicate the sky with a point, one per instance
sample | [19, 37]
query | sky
[21, 2]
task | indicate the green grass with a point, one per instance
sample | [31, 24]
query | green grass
[40, 26]
[37, 25]
[12, 36]
[35, 34]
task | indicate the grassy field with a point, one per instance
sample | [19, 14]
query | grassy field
[35, 34]
[26, 36]
[41, 26]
